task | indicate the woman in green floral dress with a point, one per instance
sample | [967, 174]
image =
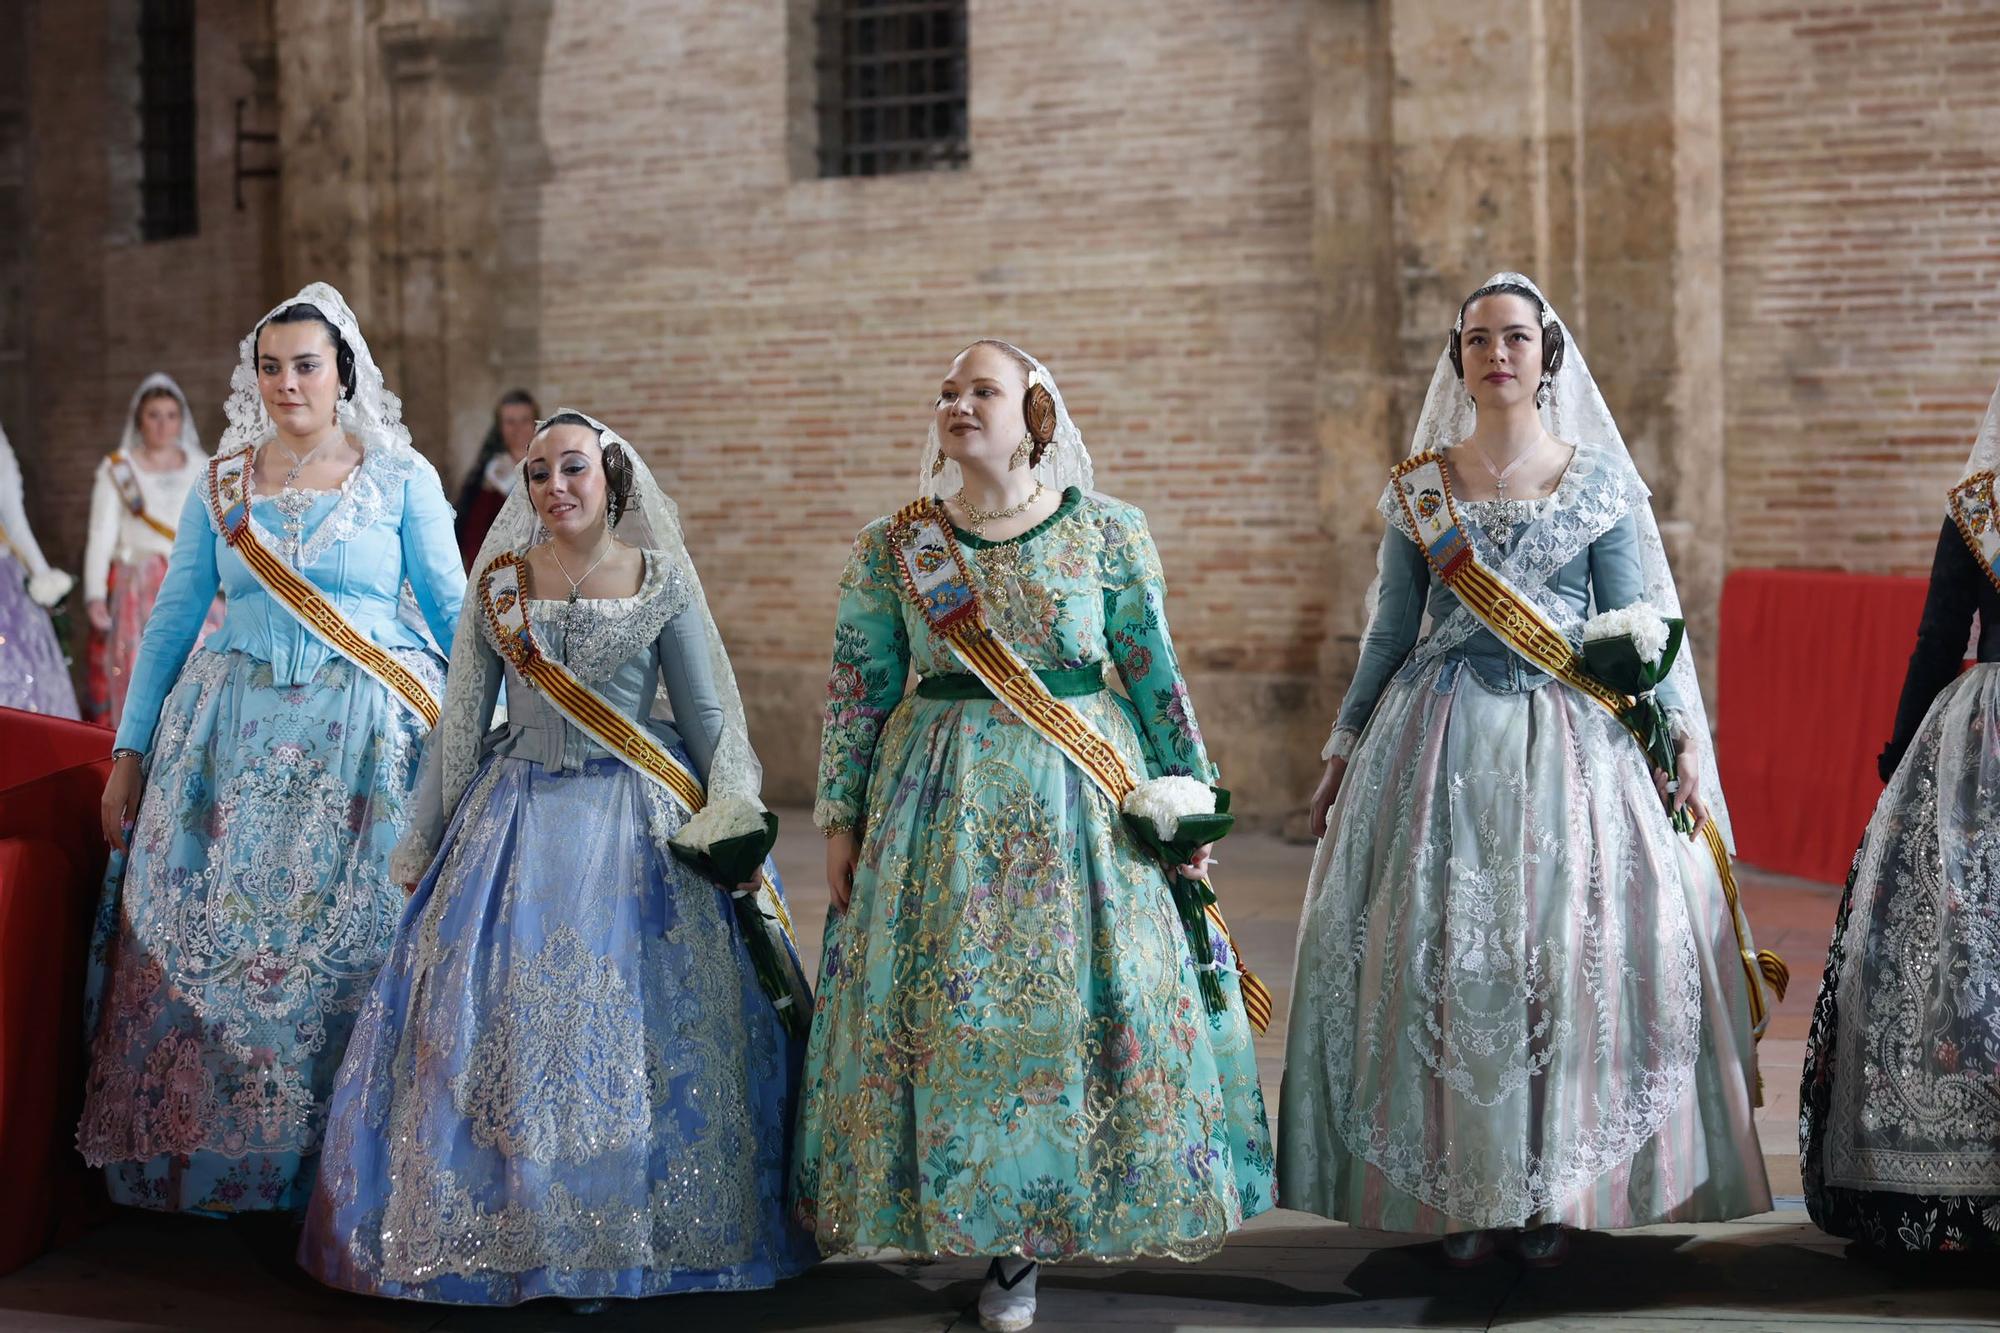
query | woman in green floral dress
[1011, 1056]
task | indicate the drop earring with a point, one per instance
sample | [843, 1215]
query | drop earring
[1022, 453]
[937, 464]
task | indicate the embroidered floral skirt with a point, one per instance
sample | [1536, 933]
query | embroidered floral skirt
[1899, 1123]
[234, 944]
[1519, 998]
[1010, 1054]
[33, 675]
[133, 588]
[566, 1081]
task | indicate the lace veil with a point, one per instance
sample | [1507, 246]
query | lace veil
[1986, 445]
[1575, 413]
[650, 522]
[1065, 462]
[129, 442]
[372, 414]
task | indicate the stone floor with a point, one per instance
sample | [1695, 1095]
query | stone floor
[1285, 1271]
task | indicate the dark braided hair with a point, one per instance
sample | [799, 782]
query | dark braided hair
[1552, 334]
[618, 475]
[343, 355]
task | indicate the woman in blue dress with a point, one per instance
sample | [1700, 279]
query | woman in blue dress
[242, 925]
[568, 1081]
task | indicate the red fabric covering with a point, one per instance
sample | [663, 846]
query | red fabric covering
[52, 859]
[1809, 668]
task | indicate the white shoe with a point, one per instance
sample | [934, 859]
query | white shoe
[1007, 1305]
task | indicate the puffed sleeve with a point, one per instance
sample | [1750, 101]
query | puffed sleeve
[1386, 643]
[871, 664]
[1618, 579]
[430, 553]
[171, 630]
[684, 666]
[1142, 648]
[1942, 636]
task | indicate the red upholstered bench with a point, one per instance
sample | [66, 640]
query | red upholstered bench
[52, 859]
[1809, 667]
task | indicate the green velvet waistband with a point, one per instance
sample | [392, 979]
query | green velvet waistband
[1069, 683]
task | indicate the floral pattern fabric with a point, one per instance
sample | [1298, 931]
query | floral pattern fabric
[1010, 1053]
[235, 942]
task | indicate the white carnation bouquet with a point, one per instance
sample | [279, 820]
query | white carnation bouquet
[1173, 816]
[1632, 649]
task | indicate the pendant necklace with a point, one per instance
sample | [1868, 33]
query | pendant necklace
[569, 607]
[294, 504]
[1500, 475]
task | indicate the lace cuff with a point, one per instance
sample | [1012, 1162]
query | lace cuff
[1677, 724]
[1340, 745]
[834, 816]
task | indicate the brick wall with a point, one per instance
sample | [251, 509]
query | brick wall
[1862, 198]
[1136, 212]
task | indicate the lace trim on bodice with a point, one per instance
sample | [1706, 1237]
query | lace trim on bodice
[1546, 534]
[372, 490]
[595, 637]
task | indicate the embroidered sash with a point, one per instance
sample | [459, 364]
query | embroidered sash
[229, 490]
[127, 481]
[1424, 489]
[940, 587]
[1978, 520]
[503, 599]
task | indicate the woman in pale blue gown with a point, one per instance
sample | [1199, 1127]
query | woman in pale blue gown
[241, 927]
[1520, 1001]
[567, 1081]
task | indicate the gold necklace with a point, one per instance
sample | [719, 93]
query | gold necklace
[979, 518]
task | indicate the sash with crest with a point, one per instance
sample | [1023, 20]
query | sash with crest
[1978, 520]
[939, 586]
[229, 493]
[503, 599]
[127, 481]
[1423, 488]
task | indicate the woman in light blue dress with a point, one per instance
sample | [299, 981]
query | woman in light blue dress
[241, 927]
[1521, 1001]
[568, 1081]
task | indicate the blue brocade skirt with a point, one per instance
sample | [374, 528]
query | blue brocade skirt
[567, 1081]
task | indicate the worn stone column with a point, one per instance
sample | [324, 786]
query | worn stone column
[439, 223]
[324, 66]
[1579, 143]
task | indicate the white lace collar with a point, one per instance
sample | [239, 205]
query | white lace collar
[372, 490]
[606, 632]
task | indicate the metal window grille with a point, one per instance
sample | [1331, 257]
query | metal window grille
[166, 119]
[892, 79]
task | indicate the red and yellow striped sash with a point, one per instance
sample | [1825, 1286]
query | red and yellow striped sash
[297, 595]
[944, 594]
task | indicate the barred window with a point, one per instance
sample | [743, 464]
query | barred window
[892, 79]
[166, 119]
